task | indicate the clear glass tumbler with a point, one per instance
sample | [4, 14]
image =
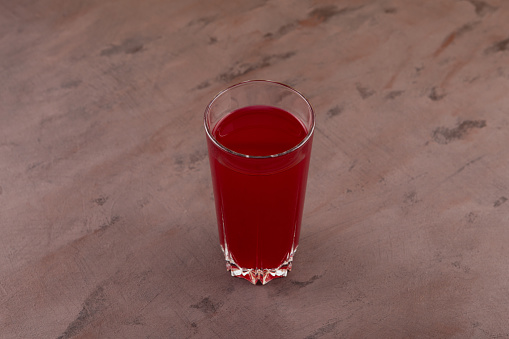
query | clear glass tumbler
[259, 136]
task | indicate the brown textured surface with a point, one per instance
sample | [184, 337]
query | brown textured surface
[107, 221]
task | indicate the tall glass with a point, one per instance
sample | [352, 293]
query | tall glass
[259, 136]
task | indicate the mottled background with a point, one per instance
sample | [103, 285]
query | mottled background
[107, 224]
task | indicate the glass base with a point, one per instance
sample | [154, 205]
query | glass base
[262, 275]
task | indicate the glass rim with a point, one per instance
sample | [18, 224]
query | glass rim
[224, 148]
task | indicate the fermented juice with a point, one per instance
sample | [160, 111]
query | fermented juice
[259, 186]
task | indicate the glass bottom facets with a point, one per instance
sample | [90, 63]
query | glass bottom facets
[259, 275]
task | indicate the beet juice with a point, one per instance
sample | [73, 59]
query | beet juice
[259, 209]
[259, 136]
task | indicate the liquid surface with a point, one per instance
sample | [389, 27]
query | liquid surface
[259, 131]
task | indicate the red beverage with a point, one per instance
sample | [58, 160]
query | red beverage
[259, 199]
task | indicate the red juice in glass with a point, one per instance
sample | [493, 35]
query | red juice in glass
[259, 158]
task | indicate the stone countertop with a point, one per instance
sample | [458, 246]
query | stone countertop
[107, 220]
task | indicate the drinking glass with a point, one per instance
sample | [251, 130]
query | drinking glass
[259, 136]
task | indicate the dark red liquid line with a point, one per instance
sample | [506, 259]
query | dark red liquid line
[259, 130]
[259, 212]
